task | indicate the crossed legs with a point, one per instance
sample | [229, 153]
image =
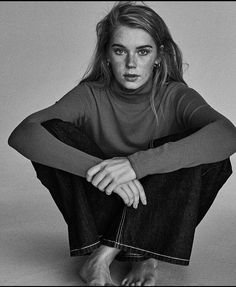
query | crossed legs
[91, 215]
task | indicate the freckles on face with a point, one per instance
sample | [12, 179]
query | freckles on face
[132, 54]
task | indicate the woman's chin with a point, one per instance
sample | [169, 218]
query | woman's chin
[131, 85]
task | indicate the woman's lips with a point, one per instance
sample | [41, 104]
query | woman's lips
[131, 77]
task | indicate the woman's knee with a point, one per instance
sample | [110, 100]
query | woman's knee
[72, 135]
[56, 127]
[172, 137]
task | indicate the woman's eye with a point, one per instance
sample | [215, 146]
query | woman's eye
[119, 51]
[143, 52]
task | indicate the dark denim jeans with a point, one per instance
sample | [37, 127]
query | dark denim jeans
[164, 229]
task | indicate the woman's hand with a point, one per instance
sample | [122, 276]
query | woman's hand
[131, 192]
[111, 173]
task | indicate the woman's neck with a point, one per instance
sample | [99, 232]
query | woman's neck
[138, 95]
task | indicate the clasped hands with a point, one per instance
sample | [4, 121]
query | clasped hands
[117, 175]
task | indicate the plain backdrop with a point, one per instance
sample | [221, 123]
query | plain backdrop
[45, 48]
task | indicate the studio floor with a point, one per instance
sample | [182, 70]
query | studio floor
[34, 243]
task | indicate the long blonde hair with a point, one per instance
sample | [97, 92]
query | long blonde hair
[128, 13]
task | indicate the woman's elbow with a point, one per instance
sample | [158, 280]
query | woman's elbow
[230, 135]
[18, 137]
[14, 138]
[10, 140]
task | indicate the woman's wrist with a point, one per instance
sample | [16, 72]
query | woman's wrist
[134, 166]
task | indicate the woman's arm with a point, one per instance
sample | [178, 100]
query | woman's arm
[214, 142]
[34, 142]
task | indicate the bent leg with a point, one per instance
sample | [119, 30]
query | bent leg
[213, 175]
[87, 211]
[176, 203]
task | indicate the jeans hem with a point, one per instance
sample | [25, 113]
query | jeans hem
[145, 254]
[84, 250]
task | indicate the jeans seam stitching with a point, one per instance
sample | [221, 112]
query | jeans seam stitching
[121, 244]
[85, 247]
[121, 225]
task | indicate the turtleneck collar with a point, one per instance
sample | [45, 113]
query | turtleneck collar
[138, 95]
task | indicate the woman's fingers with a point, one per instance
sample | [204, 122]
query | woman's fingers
[98, 178]
[135, 191]
[110, 187]
[129, 193]
[118, 170]
[142, 194]
[104, 183]
[122, 194]
[93, 170]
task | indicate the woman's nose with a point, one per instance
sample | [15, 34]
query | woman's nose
[131, 61]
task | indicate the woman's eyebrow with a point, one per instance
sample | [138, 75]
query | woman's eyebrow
[139, 47]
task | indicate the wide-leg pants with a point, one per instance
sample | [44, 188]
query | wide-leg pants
[163, 229]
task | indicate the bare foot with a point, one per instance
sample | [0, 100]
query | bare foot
[143, 273]
[96, 271]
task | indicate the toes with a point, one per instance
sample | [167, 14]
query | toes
[127, 283]
[123, 283]
[137, 283]
[148, 283]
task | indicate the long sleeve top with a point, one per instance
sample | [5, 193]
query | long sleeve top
[122, 123]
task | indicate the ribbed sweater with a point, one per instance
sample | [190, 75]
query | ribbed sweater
[122, 123]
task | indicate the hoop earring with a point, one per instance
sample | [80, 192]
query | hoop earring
[157, 65]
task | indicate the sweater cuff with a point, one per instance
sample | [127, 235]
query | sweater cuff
[135, 165]
[166, 158]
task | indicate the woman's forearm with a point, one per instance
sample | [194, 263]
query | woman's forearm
[35, 143]
[212, 143]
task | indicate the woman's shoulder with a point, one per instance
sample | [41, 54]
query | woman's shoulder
[91, 92]
[92, 89]
[170, 90]
[182, 95]
[177, 90]
[176, 93]
[174, 87]
[92, 85]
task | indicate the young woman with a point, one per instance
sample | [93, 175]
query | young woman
[132, 156]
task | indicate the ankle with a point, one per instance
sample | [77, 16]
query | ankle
[105, 254]
[153, 262]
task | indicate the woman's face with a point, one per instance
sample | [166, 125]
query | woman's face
[132, 55]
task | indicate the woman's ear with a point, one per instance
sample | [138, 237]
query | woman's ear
[157, 62]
